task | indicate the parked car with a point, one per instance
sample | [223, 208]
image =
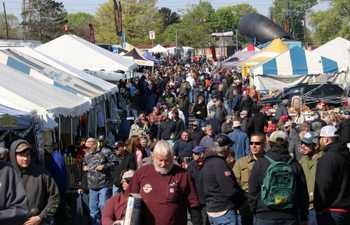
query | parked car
[332, 94]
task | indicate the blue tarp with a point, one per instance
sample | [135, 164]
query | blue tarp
[12, 119]
[147, 55]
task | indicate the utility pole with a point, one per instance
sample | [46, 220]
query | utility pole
[236, 34]
[6, 24]
[176, 39]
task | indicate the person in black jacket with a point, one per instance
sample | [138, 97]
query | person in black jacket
[41, 190]
[194, 169]
[266, 215]
[223, 195]
[258, 122]
[344, 128]
[13, 207]
[332, 182]
[126, 161]
[199, 110]
[196, 132]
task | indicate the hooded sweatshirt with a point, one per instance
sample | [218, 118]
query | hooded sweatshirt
[13, 205]
[41, 190]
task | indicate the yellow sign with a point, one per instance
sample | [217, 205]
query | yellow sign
[8, 121]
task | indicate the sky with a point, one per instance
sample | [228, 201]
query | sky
[90, 6]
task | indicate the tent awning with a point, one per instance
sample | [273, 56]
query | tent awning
[107, 87]
[22, 92]
[139, 59]
[275, 48]
[296, 62]
[82, 54]
[158, 49]
[338, 50]
[50, 75]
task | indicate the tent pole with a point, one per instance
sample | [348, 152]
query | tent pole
[95, 114]
[88, 124]
[105, 112]
[71, 130]
[59, 131]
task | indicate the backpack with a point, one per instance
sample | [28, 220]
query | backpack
[278, 188]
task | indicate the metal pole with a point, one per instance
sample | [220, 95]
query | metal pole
[71, 131]
[236, 40]
[176, 39]
[59, 132]
[6, 24]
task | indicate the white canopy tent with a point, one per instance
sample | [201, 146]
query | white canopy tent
[338, 50]
[19, 91]
[83, 55]
[50, 75]
[158, 49]
[106, 86]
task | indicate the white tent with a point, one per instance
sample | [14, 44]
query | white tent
[50, 75]
[19, 91]
[338, 50]
[106, 86]
[83, 55]
[158, 49]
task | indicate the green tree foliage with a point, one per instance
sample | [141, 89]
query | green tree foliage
[196, 26]
[45, 20]
[104, 24]
[13, 26]
[139, 17]
[331, 23]
[291, 14]
[227, 18]
[78, 23]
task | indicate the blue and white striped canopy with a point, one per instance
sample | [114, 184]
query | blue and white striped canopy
[296, 62]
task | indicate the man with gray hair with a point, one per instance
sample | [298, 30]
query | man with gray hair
[167, 190]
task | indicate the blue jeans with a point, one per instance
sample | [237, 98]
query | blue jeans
[259, 221]
[333, 218]
[97, 199]
[312, 219]
[230, 218]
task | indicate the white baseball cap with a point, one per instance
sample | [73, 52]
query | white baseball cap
[328, 131]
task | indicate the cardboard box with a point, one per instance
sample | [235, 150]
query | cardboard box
[133, 210]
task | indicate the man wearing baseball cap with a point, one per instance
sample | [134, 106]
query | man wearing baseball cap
[194, 169]
[332, 182]
[41, 190]
[309, 149]
[264, 214]
[223, 195]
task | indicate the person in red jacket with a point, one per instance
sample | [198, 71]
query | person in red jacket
[166, 189]
[114, 211]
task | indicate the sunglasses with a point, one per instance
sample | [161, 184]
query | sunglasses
[256, 143]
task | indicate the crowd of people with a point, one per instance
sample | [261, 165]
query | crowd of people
[198, 146]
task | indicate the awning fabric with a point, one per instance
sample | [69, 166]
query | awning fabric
[82, 54]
